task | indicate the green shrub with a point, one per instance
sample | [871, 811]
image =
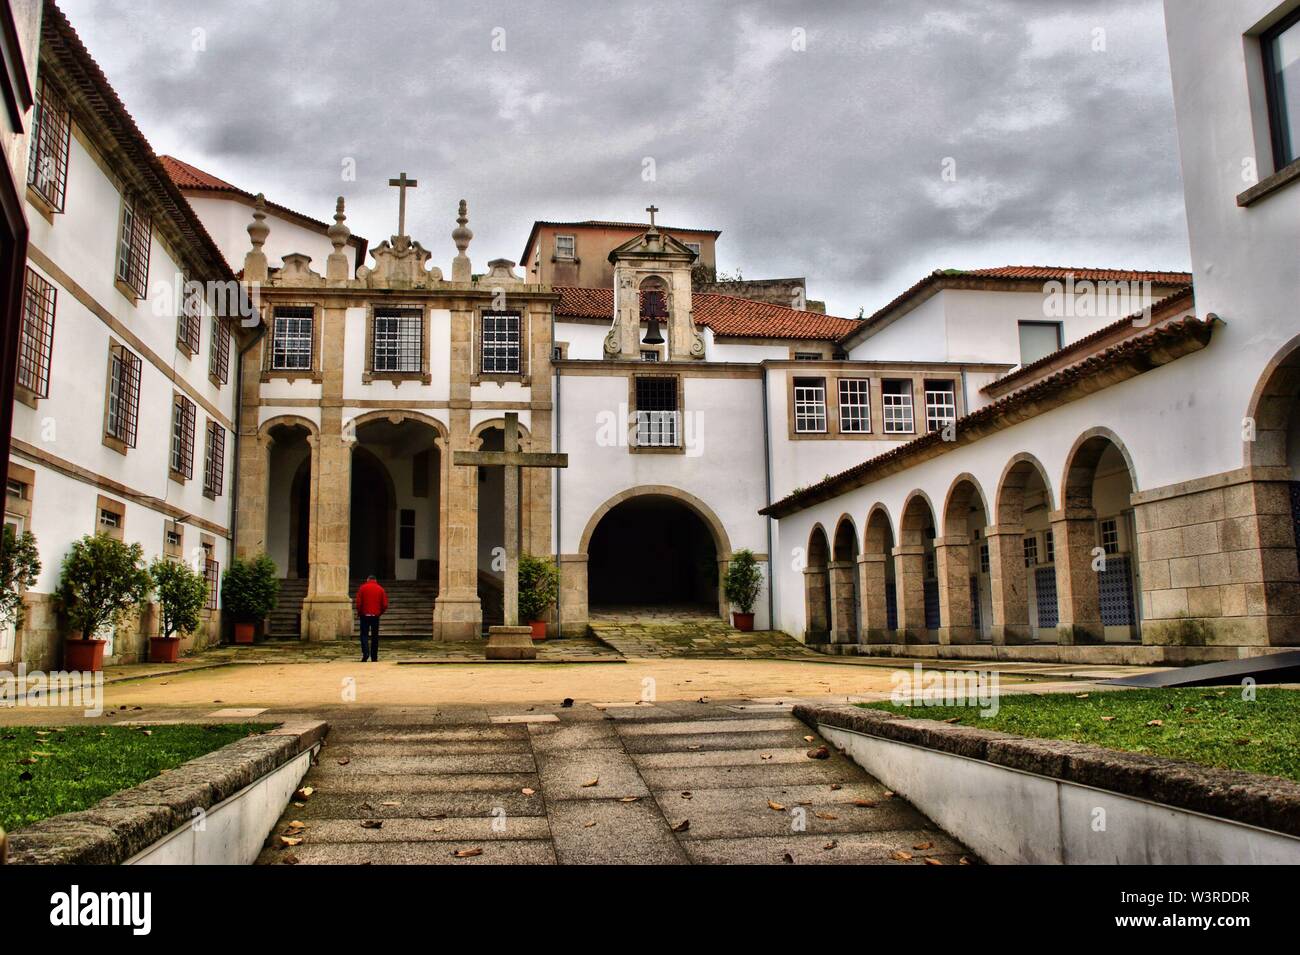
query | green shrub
[20, 563]
[250, 588]
[539, 587]
[744, 580]
[102, 579]
[182, 594]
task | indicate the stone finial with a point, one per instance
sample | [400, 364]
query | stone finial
[460, 266]
[255, 267]
[336, 266]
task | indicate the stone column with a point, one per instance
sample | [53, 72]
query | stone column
[538, 482]
[252, 485]
[952, 567]
[327, 608]
[1078, 599]
[1008, 584]
[874, 610]
[909, 574]
[457, 613]
[573, 595]
[814, 589]
[844, 611]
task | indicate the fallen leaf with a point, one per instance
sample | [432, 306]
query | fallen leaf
[147, 732]
[591, 782]
[304, 793]
[290, 841]
[765, 756]
[900, 856]
[831, 845]
[931, 860]
[1081, 696]
[390, 803]
[297, 824]
[809, 739]
[289, 859]
[1155, 723]
[467, 853]
[922, 846]
[864, 803]
[835, 786]
[528, 792]
[688, 795]
[630, 799]
[825, 815]
[821, 752]
[694, 746]
[1107, 719]
[889, 794]
[344, 761]
[953, 719]
[372, 823]
[588, 825]
[965, 860]
[775, 806]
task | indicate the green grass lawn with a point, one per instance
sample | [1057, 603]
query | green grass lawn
[45, 771]
[1209, 725]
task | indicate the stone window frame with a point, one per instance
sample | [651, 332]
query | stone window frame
[524, 375]
[174, 551]
[133, 248]
[833, 372]
[268, 345]
[20, 505]
[825, 404]
[110, 506]
[911, 394]
[424, 375]
[839, 404]
[559, 351]
[219, 344]
[189, 419]
[680, 446]
[132, 366]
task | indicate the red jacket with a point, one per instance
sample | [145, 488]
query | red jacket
[371, 599]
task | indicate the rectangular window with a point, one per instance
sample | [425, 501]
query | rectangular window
[110, 517]
[984, 558]
[810, 405]
[1038, 340]
[183, 437]
[399, 340]
[292, 338]
[133, 246]
[694, 247]
[1281, 49]
[649, 355]
[123, 395]
[36, 340]
[406, 534]
[219, 360]
[807, 356]
[564, 246]
[173, 540]
[47, 168]
[855, 405]
[211, 576]
[656, 412]
[1031, 550]
[940, 405]
[896, 406]
[189, 323]
[500, 343]
[1049, 545]
[1110, 536]
[214, 463]
[109, 520]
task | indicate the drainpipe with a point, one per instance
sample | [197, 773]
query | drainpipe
[767, 477]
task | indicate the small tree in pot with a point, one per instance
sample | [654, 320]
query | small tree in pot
[743, 585]
[539, 588]
[20, 564]
[250, 589]
[182, 593]
[102, 579]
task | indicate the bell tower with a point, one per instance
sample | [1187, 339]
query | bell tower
[652, 282]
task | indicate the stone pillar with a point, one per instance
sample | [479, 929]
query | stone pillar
[815, 582]
[1008, 583]
[457, 613]
[538, 483]
[1074, 535]
[952, 567]
[909, 573]
[327, 608]
[873, 608]
[252, 485]
[844, 611]
[573, 595]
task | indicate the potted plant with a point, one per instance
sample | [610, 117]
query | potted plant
[743, 585]
[182, 592]
[20, 563]
[539, 588]
[250, 589]
[102, 579]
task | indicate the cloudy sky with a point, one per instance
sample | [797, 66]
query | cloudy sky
[816, 136]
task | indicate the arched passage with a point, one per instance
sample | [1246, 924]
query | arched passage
[1096, 543]
[915, 569]
[844, 583]
[1022, 574]
[817, 589]
[374, 515]
[962, 565]
[289, 443]
[877, 583]
[653, 550]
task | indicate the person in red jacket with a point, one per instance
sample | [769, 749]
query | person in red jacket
[372, 601]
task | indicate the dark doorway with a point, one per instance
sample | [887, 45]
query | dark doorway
[300, 520]
[373, 518]
[652, 551]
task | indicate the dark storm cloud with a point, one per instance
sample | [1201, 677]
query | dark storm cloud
[825, 162]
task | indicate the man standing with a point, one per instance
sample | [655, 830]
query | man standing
[372, 601]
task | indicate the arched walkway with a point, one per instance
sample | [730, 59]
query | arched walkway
[1022, 575]
[961, 562]
[916, 571]
[844, 583]
[817, 589]
[876, 585]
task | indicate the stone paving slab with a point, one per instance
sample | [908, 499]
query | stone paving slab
[713, 777]
[811, 849]
[328, 804]
[735, 821]
[388, 786]
[457, 747]
[748, 725]
[563, 737]
[470, 734]
[499, 852]
[458, 829]
[692, 743]
[418, 765]
[566, 775]
[610, 832]
[721, 757]
[751, 800]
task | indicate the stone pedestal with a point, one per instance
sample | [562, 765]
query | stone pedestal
[510, 643]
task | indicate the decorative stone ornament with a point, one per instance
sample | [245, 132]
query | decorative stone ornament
[336, 266]
[460, 266]
[255, 267]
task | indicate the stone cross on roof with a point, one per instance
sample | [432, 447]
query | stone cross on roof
[402, 184]
[652, 209]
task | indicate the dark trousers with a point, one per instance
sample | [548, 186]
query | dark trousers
[369, 638]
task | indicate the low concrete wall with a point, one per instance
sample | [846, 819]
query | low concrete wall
[1018, 800]
[217, 809]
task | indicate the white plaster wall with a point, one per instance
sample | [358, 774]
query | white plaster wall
[227, 220]
[354, 365]
[586, 341]
[920, 335]
[266, 412]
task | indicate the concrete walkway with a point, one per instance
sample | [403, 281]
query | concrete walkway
[607, 783]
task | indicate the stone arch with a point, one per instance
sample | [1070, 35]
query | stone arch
[914, 569]
[964, 491]
[525, 435]
[844, 545]
[912, 524]
[877, 596]
[1010, 503]
[1272, 408]
[373, 517]
[398, 417]
[844, 582]
[286, 420]
[702, 511]
[1081, 466]
[817, 589]
[878, 532]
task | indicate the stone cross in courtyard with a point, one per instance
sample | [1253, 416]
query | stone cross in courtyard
[510, 641]
[402, 184]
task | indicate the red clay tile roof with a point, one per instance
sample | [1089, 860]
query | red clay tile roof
[725, 314]
[1140, 353]
[939, 278]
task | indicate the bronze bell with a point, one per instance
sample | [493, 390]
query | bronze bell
[652, 336]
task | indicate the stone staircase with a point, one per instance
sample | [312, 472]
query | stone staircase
[410, 608]
[686, 632]
[285, 619]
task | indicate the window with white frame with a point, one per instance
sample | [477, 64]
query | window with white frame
[1110, 536]
[694, 247]
[1038, 340]
[940, 405]
[896, 406]
[123, 409]
[500, 343]
[810, 405]
[657, 413]
[855, 405]
[649, 354]
[1031, 550]
[565, 246]
[398, 340]
[291, 338]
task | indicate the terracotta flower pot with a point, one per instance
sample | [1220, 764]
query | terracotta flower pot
[164, 649]
[539, 629]
[744, 622]
[83, 656]
[244, 632]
